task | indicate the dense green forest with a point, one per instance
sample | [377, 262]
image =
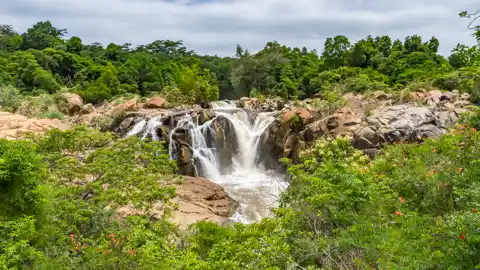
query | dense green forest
[415, 206]
[42, 61]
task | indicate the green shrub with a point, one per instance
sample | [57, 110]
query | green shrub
[10, 98]
[21, 173]
[79, 138]
[450, 81]
[17, 237]
[96, 94]
[471, 118]
[415, 206]
[42, 106]
[53, 115]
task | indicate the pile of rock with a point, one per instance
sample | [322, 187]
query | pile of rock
[369, 121]
[15, 126]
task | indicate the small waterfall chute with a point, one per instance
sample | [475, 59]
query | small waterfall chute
[137, 129]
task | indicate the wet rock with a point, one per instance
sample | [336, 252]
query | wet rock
[185, 161]
[126, 124]
[267, 105]
[205, 115]
[290, 145]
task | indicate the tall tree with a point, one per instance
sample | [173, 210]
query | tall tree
[10, 40]
[239, 51]
[335, 51]
[433, 45]
[74, 45]
[42, 35]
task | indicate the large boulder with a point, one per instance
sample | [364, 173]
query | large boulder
[404, 122]
[301, 116]
[156, 103]
[248, 103]
[366, 138]
[74, 103]
[88, 118]
[199, 199]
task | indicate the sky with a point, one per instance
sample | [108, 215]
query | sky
[215, 27]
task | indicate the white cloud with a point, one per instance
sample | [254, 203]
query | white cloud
[216, 26]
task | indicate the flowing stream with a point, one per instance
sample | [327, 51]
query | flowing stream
[256, 189]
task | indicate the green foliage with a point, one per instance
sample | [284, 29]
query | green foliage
[16, 243]
[43, 106]
[42, 35]
[53, 115]
[77, 139]
[134, 184]
[414, 207]
[21, 173]
[10, 98]
[10, 40]
[48, 62]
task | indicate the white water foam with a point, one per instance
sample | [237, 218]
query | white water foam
[146, 128]
[256, 189]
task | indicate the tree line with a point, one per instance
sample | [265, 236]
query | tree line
[42, 60]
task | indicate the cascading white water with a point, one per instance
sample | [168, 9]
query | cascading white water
[256, 189]
[201, 151]
[151, 128]
[136, 129]
[148, 128]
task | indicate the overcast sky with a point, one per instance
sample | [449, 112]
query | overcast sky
[216, 26]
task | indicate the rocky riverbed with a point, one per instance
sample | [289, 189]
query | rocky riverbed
[238, 144]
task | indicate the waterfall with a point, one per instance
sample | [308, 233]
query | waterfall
[151, 128]
[256, 189]
[136, 129]
[146, 128]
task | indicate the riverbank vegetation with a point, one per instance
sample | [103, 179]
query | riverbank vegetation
[414, 206]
